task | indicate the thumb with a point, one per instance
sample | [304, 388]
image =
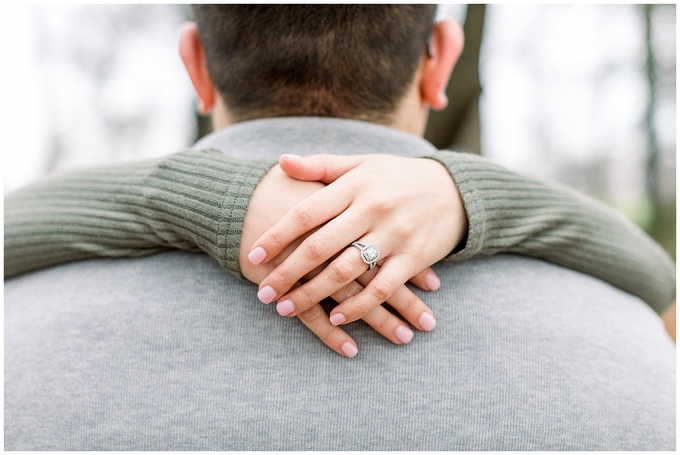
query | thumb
[323, 168]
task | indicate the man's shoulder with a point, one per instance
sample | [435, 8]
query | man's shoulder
[185, 273]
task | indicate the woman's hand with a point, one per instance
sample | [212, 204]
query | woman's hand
[408, 207]
[273, 198]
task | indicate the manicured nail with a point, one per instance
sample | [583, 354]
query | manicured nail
[290, 156]
[266, 294]
[349, 349]
[338, 318]
[257, 256]
[404, 334]
[426, 321]
[285, 308]
[431, 281]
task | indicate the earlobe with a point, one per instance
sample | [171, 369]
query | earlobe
[193, 56]
[446, 45]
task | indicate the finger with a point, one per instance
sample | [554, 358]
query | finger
[426, 280]
[391, 277]
[326, 242]
[316, 320]
[325, 204]
[323, 168]
[381, 319]
[409, 306]
[388, 325]
[334, 277]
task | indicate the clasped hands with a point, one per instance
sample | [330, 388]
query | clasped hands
[306, 212]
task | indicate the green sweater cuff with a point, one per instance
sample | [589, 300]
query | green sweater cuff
[194, 200]
[512, 213]
[203, 196]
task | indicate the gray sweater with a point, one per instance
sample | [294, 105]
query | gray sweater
[196, 200]
[166, 352]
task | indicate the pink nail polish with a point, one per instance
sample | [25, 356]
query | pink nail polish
[403, 334]
[257, 256]
[349, 349]
[338, 318]
[285, 307]
[290, 156]
[427, 321]
[266, 294]
[432, 282]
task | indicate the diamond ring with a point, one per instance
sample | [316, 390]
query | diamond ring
[369, 253]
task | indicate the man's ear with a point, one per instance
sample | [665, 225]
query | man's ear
[446, 45]
[193, 56]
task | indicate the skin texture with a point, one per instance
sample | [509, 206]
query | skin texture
[367, 201]
[271, 201]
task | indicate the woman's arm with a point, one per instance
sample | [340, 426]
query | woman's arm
[513, 213]
[198, 200]
[192, 200]
[369, 195]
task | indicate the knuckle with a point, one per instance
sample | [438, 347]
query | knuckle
[304, 297]
[317, 249]
[349, 291]
[382, 323]
[341, 273]
[276, 240]
[282, 279]
[361, 308]
[382, 207]
[312, 315]
[414, 260]
[407, 304]
[303, 216]
[381, 291]
[331, 336]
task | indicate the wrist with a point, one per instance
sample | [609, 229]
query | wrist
[454, 218]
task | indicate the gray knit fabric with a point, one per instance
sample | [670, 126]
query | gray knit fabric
[197, 199]
[167, 352]
[193, 200]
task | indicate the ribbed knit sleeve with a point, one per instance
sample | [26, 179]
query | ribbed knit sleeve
[197, 200]
[192, 200]
[511, 213]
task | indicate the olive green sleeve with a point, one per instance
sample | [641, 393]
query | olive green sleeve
[197, 200]
[513, 213]
[193, 200]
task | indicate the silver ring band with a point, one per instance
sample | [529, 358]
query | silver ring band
[369, 253]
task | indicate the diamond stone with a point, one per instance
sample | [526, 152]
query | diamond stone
[370, 253]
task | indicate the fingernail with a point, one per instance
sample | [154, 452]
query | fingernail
[290, 156]
[404, 334]
[432, 281]
[338, 318]
[266, 294]
[285, 308]
[427, 321]
[349, 349]
[257, 256]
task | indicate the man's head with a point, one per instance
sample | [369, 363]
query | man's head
[349, 61]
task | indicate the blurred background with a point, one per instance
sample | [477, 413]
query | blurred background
[582, 94]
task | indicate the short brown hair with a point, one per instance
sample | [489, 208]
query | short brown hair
[351, 61]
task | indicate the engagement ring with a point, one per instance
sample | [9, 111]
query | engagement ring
[369, 253]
